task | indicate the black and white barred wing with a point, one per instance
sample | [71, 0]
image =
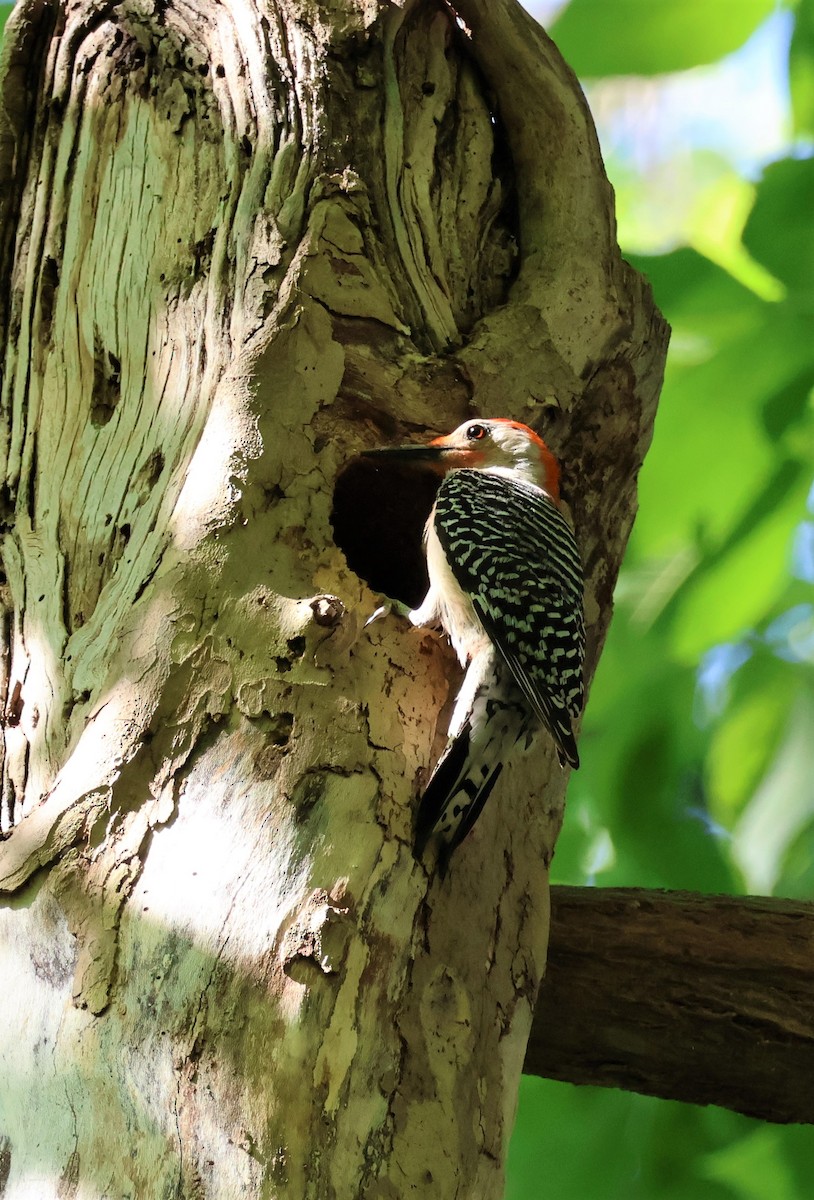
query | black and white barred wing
[514, 554]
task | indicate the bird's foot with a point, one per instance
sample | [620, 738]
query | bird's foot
[387, 607]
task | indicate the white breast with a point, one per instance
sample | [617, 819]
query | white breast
[450, 603]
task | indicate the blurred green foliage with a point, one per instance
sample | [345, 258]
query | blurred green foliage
[698, 741]
[607, 1145]
[647, 37]
[801, 69]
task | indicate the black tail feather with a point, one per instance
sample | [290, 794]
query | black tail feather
[475, 808]
[454, 797]
[447, 772]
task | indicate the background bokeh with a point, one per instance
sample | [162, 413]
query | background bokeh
[698, 741]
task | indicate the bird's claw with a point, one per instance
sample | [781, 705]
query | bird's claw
[387, 607]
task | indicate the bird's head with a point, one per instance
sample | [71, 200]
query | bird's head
[496, 444]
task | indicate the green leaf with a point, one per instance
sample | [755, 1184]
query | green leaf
[779, 231]
[699, 297]
[754, 1167]
[797, 877]
[734, 589]
[636, 809]
[747, 737]
[584, 1143]
[790, 405]
[711, 457]
[801, 70]
[715, 225]
[649, 37]
[781, 807]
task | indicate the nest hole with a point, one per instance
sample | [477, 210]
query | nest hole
[378, 517]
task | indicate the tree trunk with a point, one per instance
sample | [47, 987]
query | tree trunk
[241, 242]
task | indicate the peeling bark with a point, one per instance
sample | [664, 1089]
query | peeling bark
[240, 242]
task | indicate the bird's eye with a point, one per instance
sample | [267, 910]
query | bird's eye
[476, 432]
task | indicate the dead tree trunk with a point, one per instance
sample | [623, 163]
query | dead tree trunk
[239, 242]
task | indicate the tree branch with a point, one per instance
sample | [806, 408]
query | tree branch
[706, 999]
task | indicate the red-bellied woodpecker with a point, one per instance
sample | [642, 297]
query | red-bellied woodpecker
[506, 585]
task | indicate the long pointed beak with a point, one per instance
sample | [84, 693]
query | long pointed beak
[409, 454]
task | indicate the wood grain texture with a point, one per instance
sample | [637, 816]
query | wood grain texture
[706, 999]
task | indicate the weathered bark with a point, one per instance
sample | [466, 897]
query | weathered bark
[707, 999]
[241, 241]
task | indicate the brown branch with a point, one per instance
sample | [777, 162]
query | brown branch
[706, 999]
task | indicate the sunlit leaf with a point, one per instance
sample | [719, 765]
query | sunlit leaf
[700, 296]
[648, 37]
[733, 590]
[797, 871]
[747, 738]
[781, 807]
[711, 455]
[715, 225]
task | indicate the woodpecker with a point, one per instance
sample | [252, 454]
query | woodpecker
[506, 585]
